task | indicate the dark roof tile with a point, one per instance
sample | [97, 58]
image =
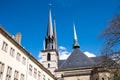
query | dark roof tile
[77, 59]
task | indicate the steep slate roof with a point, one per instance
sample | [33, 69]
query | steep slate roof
[60, 63]
[77, 59]
[98, 60]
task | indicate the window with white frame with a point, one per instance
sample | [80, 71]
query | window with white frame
[12, 52]
[24, 60]
[18, 56]
[35, 73]
[30, 69]
[1, 70]
[4, 46]
[9, 73]
[16, 75]
[39, 75]
[22, 77]
[43, 77]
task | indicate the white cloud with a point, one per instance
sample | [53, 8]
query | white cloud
[63, 53]
[62, 48]
[89, 54]
[63, 56]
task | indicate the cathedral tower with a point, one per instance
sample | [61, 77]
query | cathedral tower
[49, 52]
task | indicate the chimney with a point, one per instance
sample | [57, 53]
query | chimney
[18, 37]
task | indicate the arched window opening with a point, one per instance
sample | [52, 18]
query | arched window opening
[48, 65]
[52, 46]
[48, 57]
[102, 78]
[61, 75]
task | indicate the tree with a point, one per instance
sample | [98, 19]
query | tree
[111, 50]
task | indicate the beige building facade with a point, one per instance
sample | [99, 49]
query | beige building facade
[18, 64]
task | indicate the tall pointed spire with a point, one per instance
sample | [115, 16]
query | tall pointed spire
[55, 35]
[50, 54]
[50, 29]
[43, 45]
[50, 41]
[75, 45]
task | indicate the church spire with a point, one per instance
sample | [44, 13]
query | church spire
[43, 45]
[75, 45]
[55, 35]
[50, 29]
[50, 53]
[50, 40]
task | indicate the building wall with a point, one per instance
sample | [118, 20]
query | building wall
[53, 60]
[84, 77]
[15, 61]
[95, 76]
[11, 60]
[33, 76]
[104, 75]
[79, 74]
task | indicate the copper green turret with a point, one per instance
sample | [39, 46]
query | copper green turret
[75, 45]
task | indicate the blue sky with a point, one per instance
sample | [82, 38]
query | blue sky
[30, 17]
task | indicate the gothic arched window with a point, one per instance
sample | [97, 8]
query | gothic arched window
[48, 65]
[48, 57]
[61, 75]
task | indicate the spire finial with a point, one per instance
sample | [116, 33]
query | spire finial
[50, 5]
[75, 45]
